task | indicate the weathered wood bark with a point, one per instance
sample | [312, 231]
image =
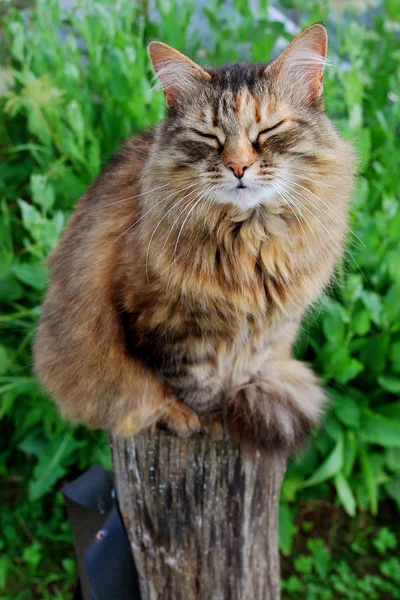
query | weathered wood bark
[201, 517]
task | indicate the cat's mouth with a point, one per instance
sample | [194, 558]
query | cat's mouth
[245, 195]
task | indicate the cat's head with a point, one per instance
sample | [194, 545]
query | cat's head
[243, 134]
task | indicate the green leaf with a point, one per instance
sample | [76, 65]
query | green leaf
[303, 564]
[391, 304]
[3, 359]
[32, 444]
[294, 585]
[42, 192]
[75, 118]
[10, 289]
[353, 368]
[390, 410]
[330, 467]
[5, 567]
[374, 353]
[395, 356]
[320, 555]
[70, 566]
[373, 302]
[353, 288]
[361, 322]
[369, 479]
[286, 529]
[393, 459]
[31, 217]
[345, 494]
[335, 360]
[392, 487]
[347, 410]
[363, 143]
[350, 453]
[333, 324]
[384, 540]
[32, 555]
[377, 429]
[390, 384]
[333, 427]
[52, 465]
[355, 116]
[35, 275]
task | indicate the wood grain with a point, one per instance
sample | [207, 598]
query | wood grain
[201, 516]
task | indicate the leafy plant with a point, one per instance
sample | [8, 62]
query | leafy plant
[79, 81]
[324, 568]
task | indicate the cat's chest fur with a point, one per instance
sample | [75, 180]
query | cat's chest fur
[202, 353]
[209, 326]
[232, 361]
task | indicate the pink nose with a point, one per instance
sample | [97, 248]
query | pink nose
[237, 168]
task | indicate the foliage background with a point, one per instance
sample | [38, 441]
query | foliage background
[73, 83]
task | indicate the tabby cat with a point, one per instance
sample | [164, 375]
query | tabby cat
[180, 282]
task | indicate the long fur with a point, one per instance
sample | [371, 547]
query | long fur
[168, 301]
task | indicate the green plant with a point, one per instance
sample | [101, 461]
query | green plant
[354, 563]
[353, 336]
[79, 81]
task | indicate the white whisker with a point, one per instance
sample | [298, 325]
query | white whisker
[318, 221]
[158, 225]
[128, 198]
[292, 208]
[315, 217]
[153, 207]
[177, 219]
[289, 183]
[186, 218]
[325, 204]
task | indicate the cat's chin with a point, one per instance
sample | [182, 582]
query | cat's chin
[248, 197]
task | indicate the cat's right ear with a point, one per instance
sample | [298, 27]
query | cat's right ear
[303, 61]
[175, 72]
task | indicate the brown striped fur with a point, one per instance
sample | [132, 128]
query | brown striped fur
[165, 304]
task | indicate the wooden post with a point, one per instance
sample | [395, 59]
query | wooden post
[201, 516]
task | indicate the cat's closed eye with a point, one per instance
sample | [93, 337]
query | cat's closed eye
[209, 136]
[264, 133]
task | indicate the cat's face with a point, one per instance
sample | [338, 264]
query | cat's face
[243, 134]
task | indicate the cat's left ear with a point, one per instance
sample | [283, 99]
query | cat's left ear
[175, 72]
[303, 61]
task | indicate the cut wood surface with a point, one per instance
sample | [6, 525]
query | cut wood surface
[201, 516]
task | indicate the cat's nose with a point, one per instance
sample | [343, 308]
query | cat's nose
[238, 168]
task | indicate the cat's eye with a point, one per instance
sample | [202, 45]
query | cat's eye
[208, 136]
[269, 129]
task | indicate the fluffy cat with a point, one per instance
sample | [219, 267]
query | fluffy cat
[180, 282]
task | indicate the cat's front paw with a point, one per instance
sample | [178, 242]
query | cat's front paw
[180, 420]
[278, 410]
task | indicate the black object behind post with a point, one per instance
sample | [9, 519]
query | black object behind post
[105, 564]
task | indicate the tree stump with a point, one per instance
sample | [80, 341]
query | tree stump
[201, 516]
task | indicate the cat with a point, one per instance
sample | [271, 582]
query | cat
[180, 282]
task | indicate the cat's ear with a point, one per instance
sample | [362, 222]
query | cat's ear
[303, 61]
[175, 72]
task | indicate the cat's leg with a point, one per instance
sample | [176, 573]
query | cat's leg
[277, 409]
[180, 419]
[172, 414]
[144, 413]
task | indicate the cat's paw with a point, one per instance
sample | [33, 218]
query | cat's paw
[180, 420]
[278, 410]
